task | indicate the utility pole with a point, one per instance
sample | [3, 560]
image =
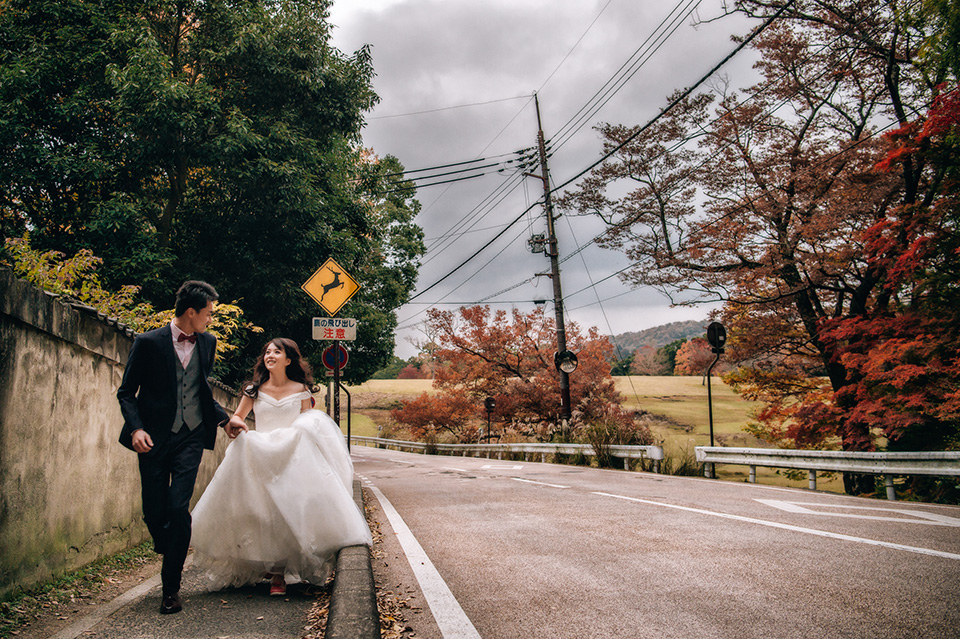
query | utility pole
[553, 254]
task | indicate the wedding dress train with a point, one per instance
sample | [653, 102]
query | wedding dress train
[281, 500]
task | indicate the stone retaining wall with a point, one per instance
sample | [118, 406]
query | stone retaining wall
[69, 492]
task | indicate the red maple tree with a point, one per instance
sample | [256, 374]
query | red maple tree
[479, 353]
[695, 357]
[771, 202]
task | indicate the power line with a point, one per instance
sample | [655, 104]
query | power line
[575, 45]
[759, 29]
[444, 237]
[402, 189]
[603, 311]
[475, 253]
[449, 108]
[626, 71]
[502, 192]
[485, 265]
[684, 95]
[475, 210]
[406, 172]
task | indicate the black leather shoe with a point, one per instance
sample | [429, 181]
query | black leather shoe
[171, 604]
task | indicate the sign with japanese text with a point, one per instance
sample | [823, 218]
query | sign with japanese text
[334, 328]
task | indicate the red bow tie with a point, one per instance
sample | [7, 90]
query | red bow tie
[187, 338]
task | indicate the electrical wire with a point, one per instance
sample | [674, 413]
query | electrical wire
[403, 189]
[603, 311]
[754, 33]
[406, 172]
[627, 70]
[449, 108]
[630, 138]
[575, 45]
[683, 96]
[466, 223]
[475, 253]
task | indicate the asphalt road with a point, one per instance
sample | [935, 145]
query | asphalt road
[518, 549]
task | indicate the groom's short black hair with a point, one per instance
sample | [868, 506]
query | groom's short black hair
[196, 295]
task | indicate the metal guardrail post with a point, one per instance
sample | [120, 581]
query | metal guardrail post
[891, 492]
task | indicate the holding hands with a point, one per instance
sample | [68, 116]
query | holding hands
[235, 426]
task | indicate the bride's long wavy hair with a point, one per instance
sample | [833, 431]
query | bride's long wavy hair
[298, 369]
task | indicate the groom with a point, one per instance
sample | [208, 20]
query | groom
[170, 416]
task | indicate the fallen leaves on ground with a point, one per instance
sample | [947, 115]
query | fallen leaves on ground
[390, 604]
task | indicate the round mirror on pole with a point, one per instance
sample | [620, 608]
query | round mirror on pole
[717, 336]
[565, 361]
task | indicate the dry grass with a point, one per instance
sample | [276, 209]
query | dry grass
[677, 404]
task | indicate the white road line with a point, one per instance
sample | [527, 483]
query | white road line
[500, 467]
[907, 516]
[459, 470]
[450, 617]
[538, 483]
[809, 531]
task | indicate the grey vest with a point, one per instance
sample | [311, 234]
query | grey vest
[189, 411]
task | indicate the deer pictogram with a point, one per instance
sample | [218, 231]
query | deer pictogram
[336, 283]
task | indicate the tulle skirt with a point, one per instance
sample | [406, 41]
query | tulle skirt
[281, 501]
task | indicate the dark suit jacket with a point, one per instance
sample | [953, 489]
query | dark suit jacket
[148, 392]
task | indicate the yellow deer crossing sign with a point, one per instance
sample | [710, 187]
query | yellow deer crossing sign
[331, 287]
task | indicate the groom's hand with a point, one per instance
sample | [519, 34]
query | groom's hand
[142, 443]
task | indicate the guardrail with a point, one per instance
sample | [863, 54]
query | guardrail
[653, 453]
[886, 464]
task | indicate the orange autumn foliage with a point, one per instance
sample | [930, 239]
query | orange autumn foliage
[509, 356]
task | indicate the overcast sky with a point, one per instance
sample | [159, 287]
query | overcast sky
[456, 79]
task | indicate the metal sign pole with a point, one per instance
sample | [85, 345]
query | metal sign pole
[336, 383]
[349, 415]
[717, 337]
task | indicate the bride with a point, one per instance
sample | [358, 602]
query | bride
[281, 502]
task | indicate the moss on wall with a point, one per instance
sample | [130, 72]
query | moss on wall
[69, 492]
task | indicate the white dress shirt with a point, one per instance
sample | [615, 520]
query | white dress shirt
[184, 349]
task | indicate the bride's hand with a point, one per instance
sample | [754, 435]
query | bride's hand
[234, 427]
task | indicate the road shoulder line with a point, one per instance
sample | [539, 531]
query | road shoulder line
[447, 612]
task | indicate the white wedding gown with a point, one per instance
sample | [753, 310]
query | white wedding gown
[282, 499]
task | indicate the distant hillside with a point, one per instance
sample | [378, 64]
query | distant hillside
[659, 335]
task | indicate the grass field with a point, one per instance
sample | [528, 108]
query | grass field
[678, 404]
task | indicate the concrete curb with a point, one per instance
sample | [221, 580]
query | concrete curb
[353, 602]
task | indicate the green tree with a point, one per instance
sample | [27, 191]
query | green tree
[666, 357]
[391, 370]
[214, 140]
[621, 367]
